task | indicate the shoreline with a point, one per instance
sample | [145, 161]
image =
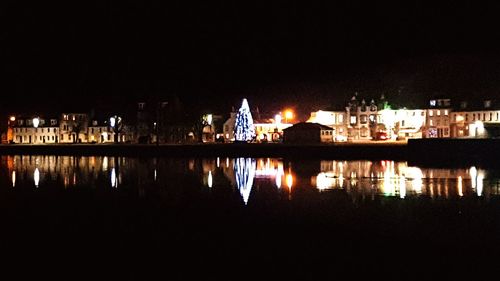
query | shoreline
[420, 151]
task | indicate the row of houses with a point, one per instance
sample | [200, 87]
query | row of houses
[166, 122]
[361, 121]
[66, 128]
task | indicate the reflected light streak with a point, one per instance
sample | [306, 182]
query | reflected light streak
[473, 176]
[36, 177]
[105, 164]
[155, 175]
[325, 181]
[279, 174]
[289, 181]
[341, 181]
[218, 162]
[460, 186]
[480, 178]
[210, 180]
[402, 187]
[114, 181]
[13, 178]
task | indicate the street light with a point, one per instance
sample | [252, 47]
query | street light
[36, 122]
[288, 115]
[115, 123]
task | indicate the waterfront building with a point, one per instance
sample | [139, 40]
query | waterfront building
[476, 120]
[437, 122]
[337, 120]
[361, 119]
[73, 128]
[34, 129]
[402, 123]
[99, 131]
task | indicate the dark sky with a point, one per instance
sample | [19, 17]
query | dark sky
[73, 54]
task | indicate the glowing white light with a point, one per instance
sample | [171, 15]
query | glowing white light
[105, 164]
[209, 180]
[280, 173]
[114, 179]
[155, 175]
[460, 186]
[480, 178]
[112, 121]
[277, 118]
[36, 122]
[209, 119]
[36, 177]
[218, 162]
[415, 176]
[402, 187]
[278, 181]
[13, 178]
[324, 181]
[473, 176]
[12, 118]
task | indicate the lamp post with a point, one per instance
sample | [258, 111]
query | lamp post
[115, 124]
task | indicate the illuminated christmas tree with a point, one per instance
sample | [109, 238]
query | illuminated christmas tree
[244, 129]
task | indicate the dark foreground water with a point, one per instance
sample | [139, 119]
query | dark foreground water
[116, 218]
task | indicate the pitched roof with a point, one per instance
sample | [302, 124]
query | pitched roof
[307, 125]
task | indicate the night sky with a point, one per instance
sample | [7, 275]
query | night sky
[71, 56]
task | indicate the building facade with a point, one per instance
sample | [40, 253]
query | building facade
[361, 119]
[34, 130]
[437, 124]
[337, 120]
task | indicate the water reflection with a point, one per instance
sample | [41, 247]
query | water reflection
[244, 170]
[36, 176]
[247, 176]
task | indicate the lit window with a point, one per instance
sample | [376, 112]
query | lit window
[431, 113]
[433, 102]
[446, 112]
[438, 112]
[341, 118]
[353, 119]
[431, 123]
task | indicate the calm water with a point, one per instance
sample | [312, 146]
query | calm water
[227, 217]
[253, 179]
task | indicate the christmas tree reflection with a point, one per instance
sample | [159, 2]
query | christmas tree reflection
[244, 170]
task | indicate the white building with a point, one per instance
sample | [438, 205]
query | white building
[337, 120]
[473, 122]
[403, 123]
[35, 130]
